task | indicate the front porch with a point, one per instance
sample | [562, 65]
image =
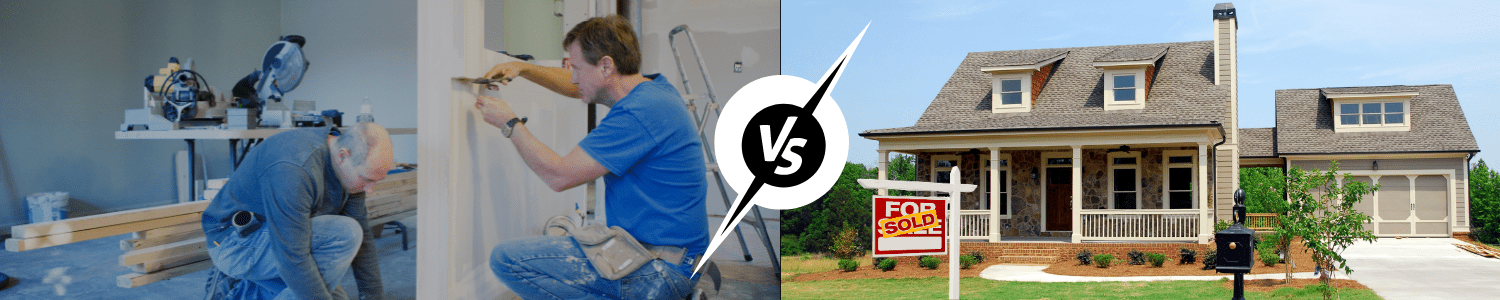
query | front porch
[1143, 192]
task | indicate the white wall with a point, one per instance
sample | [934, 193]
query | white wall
[358, 51]
[68, 71]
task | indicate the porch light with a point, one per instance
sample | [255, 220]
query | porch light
[1375, 165]
[1033, 173]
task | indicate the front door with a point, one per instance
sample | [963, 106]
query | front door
[1059, 199]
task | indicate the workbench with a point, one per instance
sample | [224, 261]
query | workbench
[234, 136]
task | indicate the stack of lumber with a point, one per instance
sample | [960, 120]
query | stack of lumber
[393, 198]
[1481, 251]
[167, 241]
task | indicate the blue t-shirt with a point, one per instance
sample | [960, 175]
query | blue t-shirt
[656, 184]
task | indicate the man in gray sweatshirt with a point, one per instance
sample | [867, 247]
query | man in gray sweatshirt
[291, 222]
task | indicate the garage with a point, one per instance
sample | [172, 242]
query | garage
[1410, 205]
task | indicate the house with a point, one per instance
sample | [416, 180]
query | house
[1142, 142]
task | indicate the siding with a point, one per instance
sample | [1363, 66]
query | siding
[1460, 177]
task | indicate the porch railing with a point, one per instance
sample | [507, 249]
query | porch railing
[1261, 221]
[1140, 225]
[974, 224]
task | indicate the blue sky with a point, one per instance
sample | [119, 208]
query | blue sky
[912, 48]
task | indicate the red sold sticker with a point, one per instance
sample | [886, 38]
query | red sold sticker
[909, 226]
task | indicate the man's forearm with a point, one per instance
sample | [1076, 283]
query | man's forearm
[546, 163]
[559, 80]
[366, 265]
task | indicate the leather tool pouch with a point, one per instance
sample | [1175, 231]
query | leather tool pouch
[612, 251]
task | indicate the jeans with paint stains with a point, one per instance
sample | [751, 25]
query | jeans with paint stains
[335, 240]
[554, 267]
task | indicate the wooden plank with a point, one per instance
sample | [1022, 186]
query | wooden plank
[17, 245]
[138, 279]
[387, 184]
[174, 229]
[143, 243]
[170, 262]
[400, 176]
[377, 201]
[162, 252]
[109, 219]
[403, 188]
[409, 203]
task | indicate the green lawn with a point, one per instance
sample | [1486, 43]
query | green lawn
[978, 288]
[792, 266]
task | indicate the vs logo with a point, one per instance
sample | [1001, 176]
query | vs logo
[781, 143]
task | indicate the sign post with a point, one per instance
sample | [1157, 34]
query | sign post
[906, 226]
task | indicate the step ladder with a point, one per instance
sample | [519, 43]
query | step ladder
[712, 109]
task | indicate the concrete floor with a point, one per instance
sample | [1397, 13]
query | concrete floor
[755, 279]
[87, 270]
[1423, 268]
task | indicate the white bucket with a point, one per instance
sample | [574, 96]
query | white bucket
[46, 207]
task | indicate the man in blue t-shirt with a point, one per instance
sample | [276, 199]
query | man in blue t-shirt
[648, 152]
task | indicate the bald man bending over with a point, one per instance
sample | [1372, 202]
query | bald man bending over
[291, 221]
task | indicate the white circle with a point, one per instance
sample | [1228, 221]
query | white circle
[763, 93]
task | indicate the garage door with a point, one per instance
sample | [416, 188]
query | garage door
[1407, 205]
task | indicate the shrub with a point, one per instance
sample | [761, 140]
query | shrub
[1186, 256]
[966, 261]
[1210, 259]
[931, 263]
[1103, 260]
[1221, 225]
[1484, 194]
[1156, 259]
[978, 256]
[1085, 257]
[1269, 258]
[1136, 257]
[790, 245]
[848, 265]
[844, 244]
[886, 264]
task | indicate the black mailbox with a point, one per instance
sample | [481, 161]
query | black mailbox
[1236, 244]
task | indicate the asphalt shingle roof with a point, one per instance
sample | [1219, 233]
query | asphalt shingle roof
[1182, 93]
[1132, 54]
[1304, 123]
[1257, 142]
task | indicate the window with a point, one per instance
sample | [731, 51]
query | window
[1371, 112]
[1181, 178]
[1124, 182]
[1377, 113]
[1124, 88]
[941, 166]
[1011, 93]
[1003, 187]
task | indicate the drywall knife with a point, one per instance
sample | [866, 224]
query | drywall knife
[483, 81]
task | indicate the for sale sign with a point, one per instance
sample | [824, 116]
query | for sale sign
[907, 226]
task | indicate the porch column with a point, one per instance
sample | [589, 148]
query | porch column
[994, 194]
[884, 159]
[1077, 193]
[1205, 225]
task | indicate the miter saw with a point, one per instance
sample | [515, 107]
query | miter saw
[281, 71]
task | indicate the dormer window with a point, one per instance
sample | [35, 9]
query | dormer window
[1127, 76]
[1371, 111]
[1019, 80]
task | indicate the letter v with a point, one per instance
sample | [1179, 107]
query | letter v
[765, 139]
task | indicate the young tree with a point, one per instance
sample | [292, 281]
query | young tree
[1321, 212]
[1484, 195]
[1263, 188]
[904, 168]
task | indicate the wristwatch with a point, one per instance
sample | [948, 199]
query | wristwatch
[511, 125]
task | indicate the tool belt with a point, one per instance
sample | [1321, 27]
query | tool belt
[613, 251]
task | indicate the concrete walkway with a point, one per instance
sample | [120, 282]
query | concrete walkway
[1033, 273]
[1423, 268]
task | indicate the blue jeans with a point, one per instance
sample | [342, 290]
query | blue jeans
[335, 240]
[554, 267]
